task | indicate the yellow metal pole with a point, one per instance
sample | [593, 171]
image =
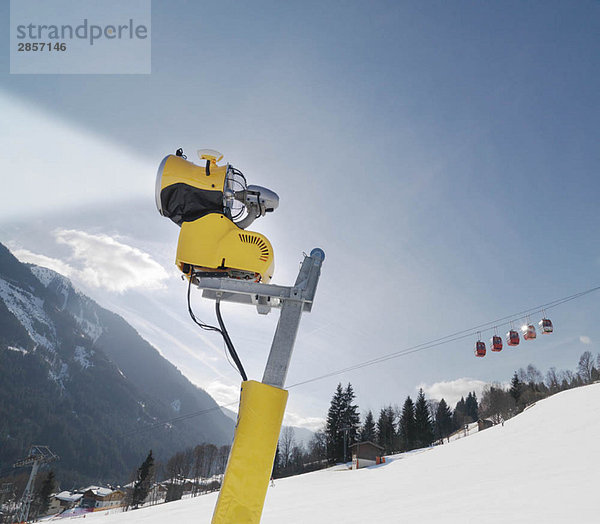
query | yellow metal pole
[250, 464]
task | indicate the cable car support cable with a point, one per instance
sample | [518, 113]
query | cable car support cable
[459, 335]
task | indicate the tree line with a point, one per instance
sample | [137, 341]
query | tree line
[528, 385]
[195, 471]
[416, 424]
[422, 422]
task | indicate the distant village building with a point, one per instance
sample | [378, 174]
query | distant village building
[157, 493]
[365, 454]
[98, 498]
[62, 501]
[484, 423]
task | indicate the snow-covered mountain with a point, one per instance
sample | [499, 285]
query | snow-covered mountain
[80, 379]
[541, 466]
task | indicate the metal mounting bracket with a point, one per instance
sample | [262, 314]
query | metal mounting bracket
[292, 300]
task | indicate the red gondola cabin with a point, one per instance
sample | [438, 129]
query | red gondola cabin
[480, 349]
[529, 332]
[546, 326]
[512, 338]
[496, 343]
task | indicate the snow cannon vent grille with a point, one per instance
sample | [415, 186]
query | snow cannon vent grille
[257, 241]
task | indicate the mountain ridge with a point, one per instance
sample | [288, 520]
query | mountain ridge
[80, 379]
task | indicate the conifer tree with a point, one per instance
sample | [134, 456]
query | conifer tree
[460, 417]
[443, 420]
[516, 390]
[45, 492]
[350, 419]
[386, 429]
[335, 438]
[423, 423]
[343, 413]
[143, 482]
[472, 407]
[406, 425]
[276, 473]
[368, 431]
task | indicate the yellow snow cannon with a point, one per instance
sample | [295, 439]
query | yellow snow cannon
[213, 205]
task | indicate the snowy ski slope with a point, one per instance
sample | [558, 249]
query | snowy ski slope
[541, 466]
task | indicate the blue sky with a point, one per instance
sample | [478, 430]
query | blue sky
[444, 155]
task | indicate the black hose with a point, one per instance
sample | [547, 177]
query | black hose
[229, 344]
[222, 330]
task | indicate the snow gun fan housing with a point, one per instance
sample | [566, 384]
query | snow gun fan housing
[213, 205]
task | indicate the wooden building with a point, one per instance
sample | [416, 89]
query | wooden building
[98, 498]
[365, 454]
[484, 423]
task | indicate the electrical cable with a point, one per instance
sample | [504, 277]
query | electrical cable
[207, 327]
[177, 419]
[228, 342]
[459, 335]
[222, 330]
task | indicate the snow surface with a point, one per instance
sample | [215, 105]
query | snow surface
[82, 356]
[43, 274]
[541, 466]
[29, 311]
[91, 327]
[19, 350]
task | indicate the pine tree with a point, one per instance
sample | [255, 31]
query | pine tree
[335, 438]
[460, 417]
[386, 429]
[143, 482]
[276, 473]
[368, 431]
[516, 390]
[406, 425]
[472, 407]
[443, 420]
[46, 490]
[423, 424]
[350, 420]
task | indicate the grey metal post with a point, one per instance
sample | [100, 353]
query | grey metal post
[38, 455]
[289, 319]
[292, 301]
[27, 497]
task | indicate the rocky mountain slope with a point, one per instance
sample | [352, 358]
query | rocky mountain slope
[79, 379]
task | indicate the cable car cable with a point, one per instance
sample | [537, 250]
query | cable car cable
[459, 335]
[465, 333]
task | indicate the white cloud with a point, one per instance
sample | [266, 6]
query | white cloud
[229, 395]
[584, 339]
[55, 264]
[106, 263]
[451, 391]
[224, 394]
[312, 423]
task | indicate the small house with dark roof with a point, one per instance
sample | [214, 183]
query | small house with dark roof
[484, 423]
[365, 454]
